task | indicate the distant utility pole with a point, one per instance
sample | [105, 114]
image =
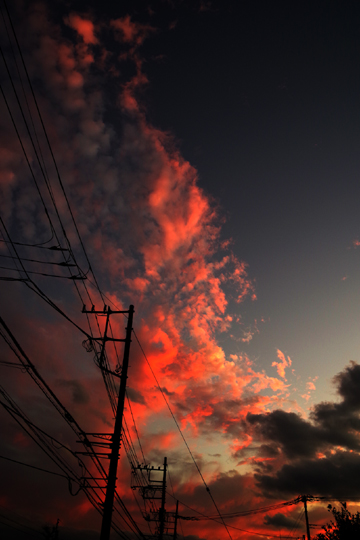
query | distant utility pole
[162, 508]
[56, 533]
[115, 440]
[151, 491]
[176, 520]
[304, 499]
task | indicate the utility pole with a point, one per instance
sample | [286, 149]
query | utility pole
[304, 499]
[115, 439]
[162, 508]
[176, 518]
[56, 530]
[151, 492]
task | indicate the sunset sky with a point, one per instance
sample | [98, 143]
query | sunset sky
[207, 161]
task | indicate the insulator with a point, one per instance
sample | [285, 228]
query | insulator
[68, 417]
[88, 345]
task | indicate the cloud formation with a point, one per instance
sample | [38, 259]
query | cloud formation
[321, 454]
[282, 364]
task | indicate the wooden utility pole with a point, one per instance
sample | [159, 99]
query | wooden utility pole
[306, 517]
[115, 440]
[176, 519]
[162, 508]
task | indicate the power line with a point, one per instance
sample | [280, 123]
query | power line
[40, 246]
[173, 495]
[48, 300]
[38, 435]
[297, 522]
[108, 379]
[220, 523]
[183, 437]
[261, 510]
[106, 376]
[81, 275]
[34, 467]
[136, 431]
[30, 531]
[63, 264]
[51, 151]
[64, 413]
[44, 274]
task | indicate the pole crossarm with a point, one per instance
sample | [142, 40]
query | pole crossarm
[104, 311]
[107, 338]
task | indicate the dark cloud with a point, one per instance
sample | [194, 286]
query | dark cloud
[135, 396]
[229, 488]
[348, 384]
[332, 424]
[321, 453]
[295, 436]
[342, 419]
[280, 521]
[263, 467]
[79, 394]
[333, 476]
[269, 450]
[167, 392]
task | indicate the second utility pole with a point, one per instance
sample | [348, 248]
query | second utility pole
[162, 512]
[304, 499]
[115, 444]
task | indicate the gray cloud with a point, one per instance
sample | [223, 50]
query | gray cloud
[331, 424]
[135, 396]
[79, 393]
[333, 429]
[280, 521]
[334, 476]
[295, 436]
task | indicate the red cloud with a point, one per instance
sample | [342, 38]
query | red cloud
[131, 32]
[84, 27]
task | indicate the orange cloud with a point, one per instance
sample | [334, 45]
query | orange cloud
[283, 364]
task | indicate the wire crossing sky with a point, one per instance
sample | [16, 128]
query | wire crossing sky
[199, 160]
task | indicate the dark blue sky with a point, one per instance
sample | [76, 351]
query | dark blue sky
[263, 98]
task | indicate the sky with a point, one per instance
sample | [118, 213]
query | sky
[206, 171]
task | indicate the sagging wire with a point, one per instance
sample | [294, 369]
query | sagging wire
[183, 437]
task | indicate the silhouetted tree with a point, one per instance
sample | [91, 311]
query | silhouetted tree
[344, 526]
[51, 533]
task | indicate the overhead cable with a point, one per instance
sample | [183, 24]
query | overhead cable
[183, 437]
